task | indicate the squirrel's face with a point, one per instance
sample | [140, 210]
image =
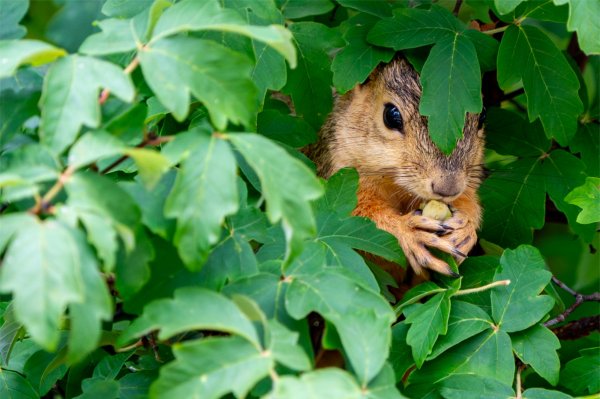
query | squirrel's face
[391, 138]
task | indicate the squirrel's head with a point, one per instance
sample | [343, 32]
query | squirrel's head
[382, 133]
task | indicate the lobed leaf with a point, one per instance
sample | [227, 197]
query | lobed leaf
[331, 382]
[358, 59]
[550, 84]
[587, 197]
[582, 20]
[581, 374]
[537, 347]
[204, 193]
[190, 15]
[25, 52]
[286, 184]
[206, 369]
[191, 308]
[451, 88]
[214, 74]
[43, 271]
[428, 321]
[518, 306]
[70, 97]
[414, 27]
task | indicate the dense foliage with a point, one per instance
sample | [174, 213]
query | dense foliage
[161, 235]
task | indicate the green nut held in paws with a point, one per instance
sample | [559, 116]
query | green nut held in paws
[436, 210]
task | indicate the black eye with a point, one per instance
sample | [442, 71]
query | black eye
[481, 118]
[392, 117]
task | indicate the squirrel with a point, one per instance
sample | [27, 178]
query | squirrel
[376, 128]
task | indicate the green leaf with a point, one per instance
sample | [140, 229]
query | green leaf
[428, 321]
[486, 47]
[564, 172]
[135, 385]
[12, 12]
[506, 6]
[514, 199]
[124, 9]
[309, 83]
[214, 74]
[383, 386]
[152, 165]
[283, 344]
[537, 347]
[10, 332]
[16, 109]
[87, 316]
[286, 129]
[451, 88]
[582, 20]
[539, 393]
[414, 27]
[465, 321]
[270, 71]
[42, 268]
[204, 193]
[474, 387]
[286, 184]
[14, 385]
[25, 52]
[379, 9]
[354, 63]
[400, 353]
[488, 354]
[331, 383]
[92, 147]
[581, 374]
[99, 388]
[415, 294]
[189, 15]
[191, 309]
[587, 197]
[70, 97]
[100, 196]
[152, 203]
[206, 369]
[117, 36]
[518, 306]
[295, 9]
[361, 317]
[587, 143]
[552, 92]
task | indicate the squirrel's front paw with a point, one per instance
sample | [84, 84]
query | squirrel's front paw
[418, 233]
[463, 235]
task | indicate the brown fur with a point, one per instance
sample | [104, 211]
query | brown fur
[398, 170]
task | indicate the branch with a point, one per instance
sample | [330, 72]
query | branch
[579, 299]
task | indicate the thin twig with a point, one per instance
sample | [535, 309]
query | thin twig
[45, 201]
[150, 141]
[579, 299]
[128, 69]
[456, 9]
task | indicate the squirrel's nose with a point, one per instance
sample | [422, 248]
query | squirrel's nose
[447, 187]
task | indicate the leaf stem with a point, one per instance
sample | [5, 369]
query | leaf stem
[518, 387]
[482, 288]
[128, 69]
[44, 202]
[494, 31]
[579, 299]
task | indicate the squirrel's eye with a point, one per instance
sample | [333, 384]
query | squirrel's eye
[392, 117]
[481, 118]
